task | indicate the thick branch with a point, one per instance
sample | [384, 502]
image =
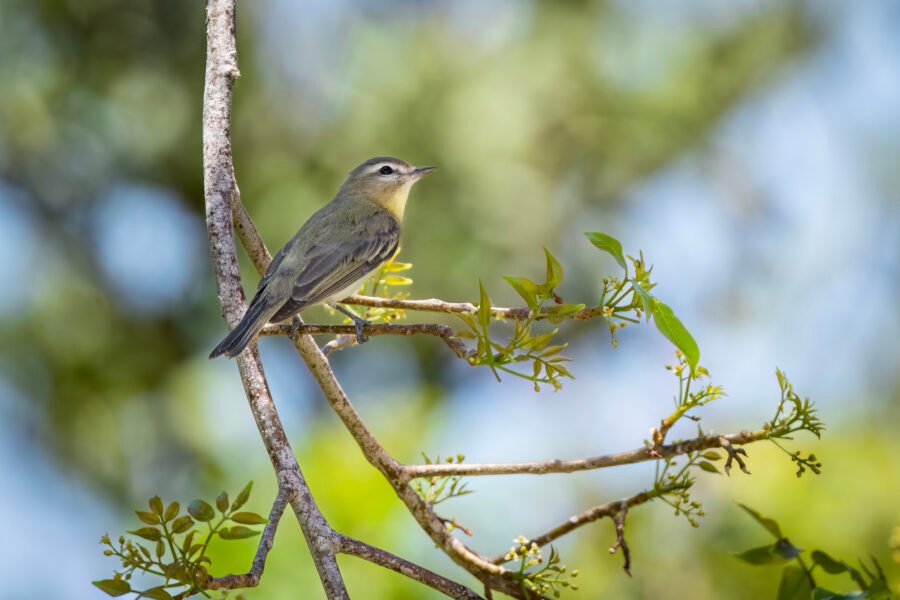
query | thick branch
[221, 196]
[585, 464]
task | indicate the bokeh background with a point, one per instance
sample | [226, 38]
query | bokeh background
[750, 148]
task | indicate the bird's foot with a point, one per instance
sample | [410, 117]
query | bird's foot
[360, 323]
[296, 322]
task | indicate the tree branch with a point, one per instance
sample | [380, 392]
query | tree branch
[544, 467]
[225, 209]
[223, 206]
[467, 308]
[609, 509]
[221, 195]
[444, 332]
[404, 567]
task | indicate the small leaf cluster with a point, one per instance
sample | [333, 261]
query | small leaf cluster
[537, 575]
[793, 415]
[686, 400]
[798, 580]
[380, 286]
[625, 299]
[525, 344]
[437, 489]
[673, 481]
[173, 546]
[622, 301]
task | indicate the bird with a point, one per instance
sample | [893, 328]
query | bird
[334, 252]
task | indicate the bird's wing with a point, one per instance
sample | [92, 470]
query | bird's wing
[333, 266]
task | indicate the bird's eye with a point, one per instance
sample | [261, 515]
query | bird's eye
[385, 170]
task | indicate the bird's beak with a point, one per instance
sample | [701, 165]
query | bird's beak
[419, 172]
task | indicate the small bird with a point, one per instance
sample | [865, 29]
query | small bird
[334, 252]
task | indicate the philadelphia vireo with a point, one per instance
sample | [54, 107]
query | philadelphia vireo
[334, 252]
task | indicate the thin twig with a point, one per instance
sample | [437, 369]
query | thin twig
[609, 509]
[251, 578]
[467, 308]
[619, 521]
[444, 332]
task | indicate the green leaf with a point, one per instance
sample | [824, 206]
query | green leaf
[113, 587]
[396, 267]
[711, 455]
[563, 309]
[148, 533]
[157, 593]
[238, 532]
[249, 518]
[554, 271]
[484, 309]
[795, 584]
[764, 555]
[608, 244]
[201, 510]
[646, 299]
[770, 525]
[708, 467]
[186, 543]
[171, 511]
[828, 564]
[147, 517]
[242, 497]
[669, 325]
[397, 280]
[182, 524]
[160, 549]
[785, 549]
[526, 288]
[222, 501]
[156, 505]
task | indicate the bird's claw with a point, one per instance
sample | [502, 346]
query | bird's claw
[295, 326]
[361, 337]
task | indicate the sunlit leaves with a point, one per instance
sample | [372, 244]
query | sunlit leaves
[248, 518]
[381, 285]
[670, 326]
[178, 555]
[526, 288]
[242, 497]
[435, 490]
[237, 532]
[608, 244]
[147, 533]
[554, 271]
[540, 575]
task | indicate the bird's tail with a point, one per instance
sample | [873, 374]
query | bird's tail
[257, 315]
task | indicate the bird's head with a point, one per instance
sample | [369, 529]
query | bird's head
[385, 181]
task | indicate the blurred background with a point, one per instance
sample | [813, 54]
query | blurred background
[751, 149]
